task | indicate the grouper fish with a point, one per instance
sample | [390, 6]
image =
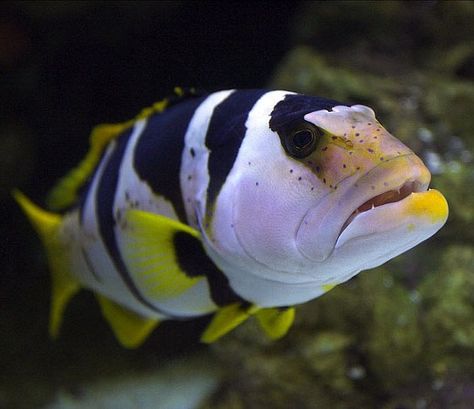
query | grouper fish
[236, 203]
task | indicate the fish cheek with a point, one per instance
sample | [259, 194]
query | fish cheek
[331, 164]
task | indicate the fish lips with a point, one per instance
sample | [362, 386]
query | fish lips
[365, 205]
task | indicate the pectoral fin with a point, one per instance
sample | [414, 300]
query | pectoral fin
[130, 328]
[225, 320]
[148, 246]
[276, 321]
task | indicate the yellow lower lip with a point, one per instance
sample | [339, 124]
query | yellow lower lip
[431, 204]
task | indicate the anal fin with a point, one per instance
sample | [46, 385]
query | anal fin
[130, 328]
[276, 322]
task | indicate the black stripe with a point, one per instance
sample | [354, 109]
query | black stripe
[194, 262]
[104, 212]
[157, 156]
[225, 135]
[294, 107]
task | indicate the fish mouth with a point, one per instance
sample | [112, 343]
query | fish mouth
[384, 198]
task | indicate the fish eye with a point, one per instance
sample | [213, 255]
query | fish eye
[302, 141]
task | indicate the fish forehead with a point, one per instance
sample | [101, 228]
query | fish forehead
[354, 141]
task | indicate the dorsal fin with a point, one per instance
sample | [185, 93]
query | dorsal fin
[66, 191]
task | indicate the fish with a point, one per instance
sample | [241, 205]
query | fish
[235, 204]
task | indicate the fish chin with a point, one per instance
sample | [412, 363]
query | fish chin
[381, 233]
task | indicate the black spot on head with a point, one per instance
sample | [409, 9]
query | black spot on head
[292, 109]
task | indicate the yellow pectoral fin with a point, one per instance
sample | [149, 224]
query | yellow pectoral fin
[149, 247]
[275, 321]
[225, 320]
[130, 328]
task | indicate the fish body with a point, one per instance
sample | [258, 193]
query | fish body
[237, 203]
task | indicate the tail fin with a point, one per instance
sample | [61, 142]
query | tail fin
[64, 286]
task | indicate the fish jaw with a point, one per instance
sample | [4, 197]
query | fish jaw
[389, 182]
[383, 232]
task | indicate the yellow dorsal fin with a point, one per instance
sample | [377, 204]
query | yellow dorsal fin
[65, 192]
[64, 286]
[130, 328]
[225, 320]
[276, 321]
[148, 247]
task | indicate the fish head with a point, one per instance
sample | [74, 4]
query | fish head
[321, 194]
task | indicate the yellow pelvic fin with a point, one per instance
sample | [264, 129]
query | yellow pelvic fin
[64, 286]
[149, 249]
[225, 320]
[275, 321]
[130, 328]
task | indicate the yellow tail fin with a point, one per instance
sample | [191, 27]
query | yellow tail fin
[64, 286]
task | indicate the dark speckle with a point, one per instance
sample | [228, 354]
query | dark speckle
[357, 133]
[324, 149]
[309, 162]
[291, 170]
[232, 226]
[381, 158]
[370, 150]
[324, 180]
[369, 123]
[344, 165]
[299, 178]
[318, 169]
[335, 187]
[330, 186]
[333, 138]
[256, 183]
[361, 140]
[350, 152]
[358, 168]
[375, 137]
[250, 163]
[353, 126]
[190, 177]
[312, 188]
[192, 152]
[385, 184]
[378, 129]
